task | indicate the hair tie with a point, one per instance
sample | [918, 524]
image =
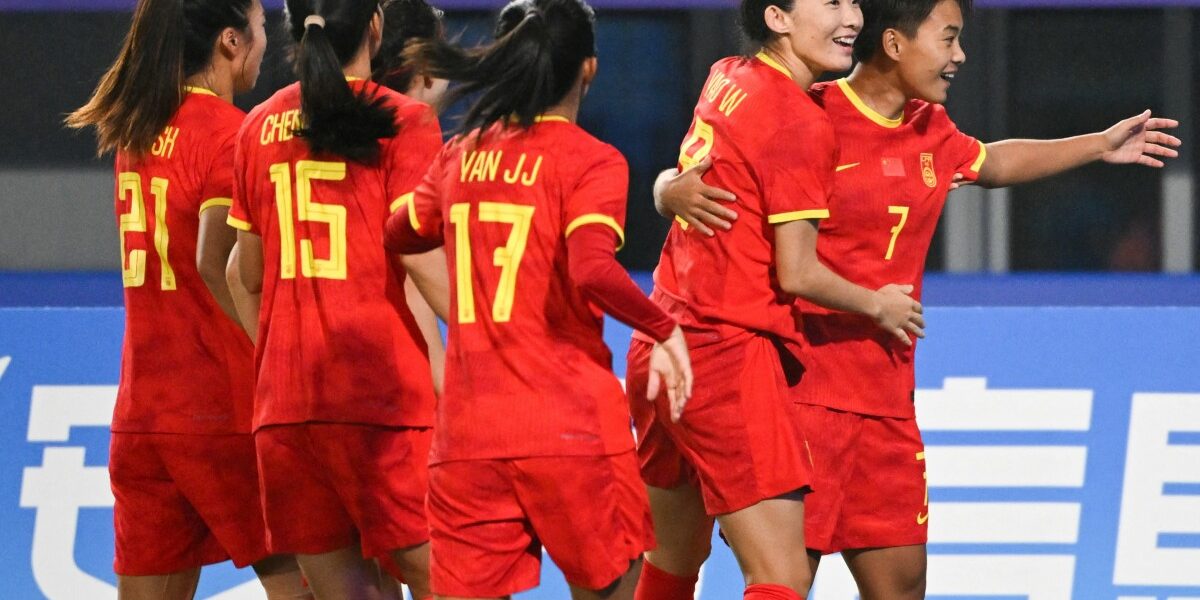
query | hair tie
[317, 20]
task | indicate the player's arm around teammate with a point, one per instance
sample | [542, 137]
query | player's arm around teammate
[343, 414]
[165, 107]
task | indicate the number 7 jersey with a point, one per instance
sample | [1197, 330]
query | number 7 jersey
[527, 370]
[336, 340]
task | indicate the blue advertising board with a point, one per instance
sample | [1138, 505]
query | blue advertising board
[1063, 453]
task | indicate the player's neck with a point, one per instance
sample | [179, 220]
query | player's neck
[880, 90]
[359, 66]
[213, 79]
[568, 108]
[803, 74]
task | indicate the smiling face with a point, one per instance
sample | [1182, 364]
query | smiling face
[928, 61]
[820, 33]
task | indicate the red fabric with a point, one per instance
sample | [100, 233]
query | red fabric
[852, 364]
[656, 584]
[739, 431]
[330, 485]
[490, 518]
[776, 152]
[527, 369]
[334, 348]
[593, 265]
[185, 366]
[770, 591]
[869, 481]
[172, 514]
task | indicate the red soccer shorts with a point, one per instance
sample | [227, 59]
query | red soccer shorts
[184, 501]
[739, 437]
[869, 481]
[331, 485]
[490, 519]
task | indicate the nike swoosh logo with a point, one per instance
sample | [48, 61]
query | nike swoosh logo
[841, 168]
[922, 518]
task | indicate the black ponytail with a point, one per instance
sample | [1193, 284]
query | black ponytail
[335, 119]
[752, 18]
[540, 47]
[169, 41]
[403, 22]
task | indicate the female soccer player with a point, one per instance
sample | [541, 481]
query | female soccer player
[184, 401]
[405, 21]
[900, 154]
[532, 445]
[344, 398]
[740, 444]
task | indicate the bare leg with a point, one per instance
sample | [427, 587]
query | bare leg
[889, 573]
[341, 575]
[682, 528]
[768, 541]
[413, 563]
[281, 578]
[173, 586]
[621, 589]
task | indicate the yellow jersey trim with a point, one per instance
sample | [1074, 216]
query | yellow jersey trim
[599, 219]
[193, 89]
[774, 64]
[867, 111]
[978, 164]
[211, 202]
[399, 202]
[797, 215]
[237, 223]
[841, 168]
[353, 78]
[550, 118]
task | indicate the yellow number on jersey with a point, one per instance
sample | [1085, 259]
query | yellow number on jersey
[508, 257]
[133, 267]
[701, 133]
[332, 215]
[903, 212]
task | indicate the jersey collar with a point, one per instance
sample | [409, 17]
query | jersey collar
[774, 64]
[867, 111]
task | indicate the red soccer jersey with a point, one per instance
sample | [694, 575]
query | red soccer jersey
[774, 149]
[527, 370]
[185, 366]
[336, 340]
[891, 183]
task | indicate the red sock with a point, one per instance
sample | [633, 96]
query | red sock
[656, 584]
[770, 591]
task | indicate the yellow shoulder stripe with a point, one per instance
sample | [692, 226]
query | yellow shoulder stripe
[237, 223]
[797, 215]
[401, 201]
[599, 219]
[211, 202]
[978, 164]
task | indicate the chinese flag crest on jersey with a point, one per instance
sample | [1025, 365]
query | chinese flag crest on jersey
[927, 170]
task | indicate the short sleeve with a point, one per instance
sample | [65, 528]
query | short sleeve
[409, 154]
[599, 195]
[796, 170]
[968, 154]
[240, 213]
[217, 186]
[416, 223]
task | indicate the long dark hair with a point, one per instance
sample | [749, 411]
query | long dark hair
[335, 119]
[540, 47]
[403, 21]
[169, 41]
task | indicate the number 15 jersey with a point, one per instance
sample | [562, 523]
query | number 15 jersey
[336, 340]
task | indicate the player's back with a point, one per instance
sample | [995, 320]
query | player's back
[185, 365]
[752, 120]
[337, 342]
[527, 370]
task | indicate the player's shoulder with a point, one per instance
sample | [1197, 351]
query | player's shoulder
[928, 114]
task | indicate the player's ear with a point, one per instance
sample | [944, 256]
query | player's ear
[588, 71]
[893, 44]
[230, 43]
[777, 20]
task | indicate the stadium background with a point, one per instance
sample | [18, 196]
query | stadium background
[1094, 493]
